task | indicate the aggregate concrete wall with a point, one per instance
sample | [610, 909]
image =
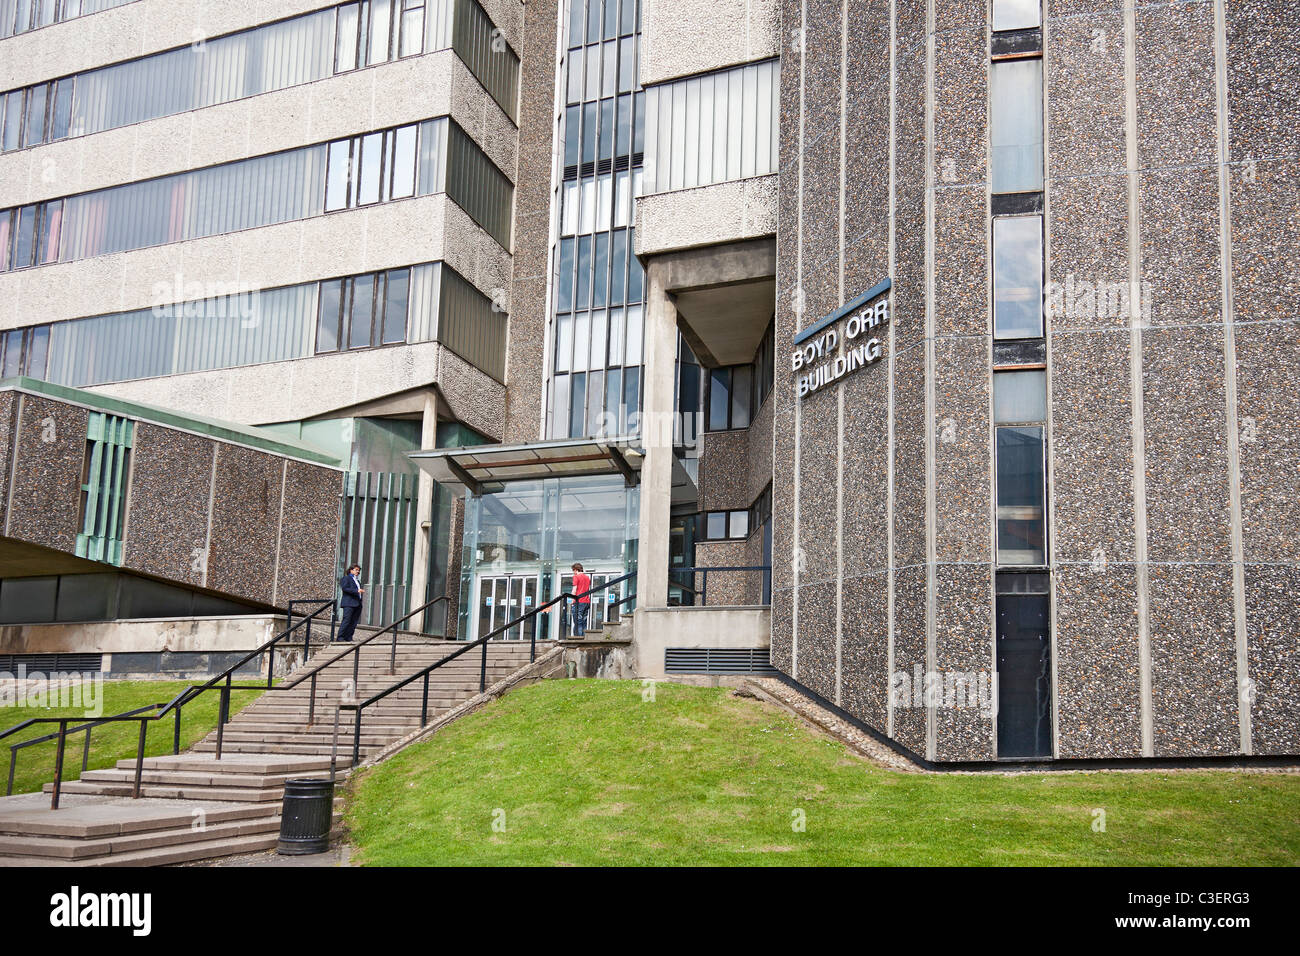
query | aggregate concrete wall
[1171, 132]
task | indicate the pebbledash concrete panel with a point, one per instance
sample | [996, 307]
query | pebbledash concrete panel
[204, 505]
[1169, 538]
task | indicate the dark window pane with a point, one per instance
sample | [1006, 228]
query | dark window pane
[27, 600]
[48, 239]
[578, 414]
[38, 350]
[630, 413]
[25, 237]
[584, 273]
[601, 284]
[86, 597]
[13, 120]
[395, 306]
[606, 148]
[572, 131]
[1021, 526]
[1024, 675]
[719, 398]
[564, 279]
[742, 383]
[715, 525]
[363, 311]
[62, 109]
[596, 391]
[589, 133]
[35, 131]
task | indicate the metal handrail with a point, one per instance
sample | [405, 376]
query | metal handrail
[482, 642]
[174, 705]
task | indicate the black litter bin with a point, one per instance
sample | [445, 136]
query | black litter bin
[307, 816]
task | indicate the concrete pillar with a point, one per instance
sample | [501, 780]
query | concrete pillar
[423, 512]
[660, 355]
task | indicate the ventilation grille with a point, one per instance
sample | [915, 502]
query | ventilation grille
[52, 663]
[718, 660]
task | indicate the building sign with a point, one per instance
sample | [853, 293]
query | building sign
[818, 359]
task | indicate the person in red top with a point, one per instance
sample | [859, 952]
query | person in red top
[582, 606]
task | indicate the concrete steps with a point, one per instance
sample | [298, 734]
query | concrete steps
[238, 798]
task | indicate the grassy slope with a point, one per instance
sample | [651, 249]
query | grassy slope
[111, 742]
[589, 774]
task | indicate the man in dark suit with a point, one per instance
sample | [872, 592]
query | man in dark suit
[352, 590]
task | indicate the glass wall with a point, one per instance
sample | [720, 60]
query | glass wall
[20, 16]
[598, 284]
[535, 531]
[418, 159]
[421, 303]
[714, 128]
[271, 57]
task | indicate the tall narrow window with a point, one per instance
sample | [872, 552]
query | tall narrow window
[1020, 407]
[1016, 125]
[1018, 277]
[1016, 14]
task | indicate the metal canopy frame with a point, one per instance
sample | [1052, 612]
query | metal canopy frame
[480, 469]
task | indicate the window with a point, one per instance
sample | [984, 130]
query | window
[1016, 14]
[724, 525]
[1016, 125]
[362, 312]
[1018, 277]
[24, 352]
[715, 128]
[103, 487]
[372, 168]
[737, 392]
[29, 235]
[19, 16]
[1020, 398]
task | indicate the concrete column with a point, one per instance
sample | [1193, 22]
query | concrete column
[660, 354]
[423, 511]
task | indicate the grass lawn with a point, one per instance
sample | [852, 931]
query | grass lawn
[586, 773]
[111, 742]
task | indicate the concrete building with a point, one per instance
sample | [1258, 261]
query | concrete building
[938, 355]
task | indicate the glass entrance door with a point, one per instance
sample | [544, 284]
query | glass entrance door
[505, 598]
[603, 603]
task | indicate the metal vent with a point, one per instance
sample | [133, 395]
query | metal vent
[718, 660]
[51, 663]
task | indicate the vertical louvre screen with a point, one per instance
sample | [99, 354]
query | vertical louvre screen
[470, 326]
[206, 202]
[712, 129]
[378, 532]
[484, 50]
[476, 185]
[103, 487]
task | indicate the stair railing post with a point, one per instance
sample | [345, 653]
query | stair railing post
[356, 740]
[334, 747]
[176, 733]
[311, 702]
[306, 642]
[221, 718]
[58, 765]
[13, 760]
[424, 705]
[85, 751]
[532, 642]
[139, 758]
[392, 656]
[482, 670]
[356, 665]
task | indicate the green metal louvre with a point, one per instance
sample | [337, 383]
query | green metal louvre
[104, 482]
[470, 326]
